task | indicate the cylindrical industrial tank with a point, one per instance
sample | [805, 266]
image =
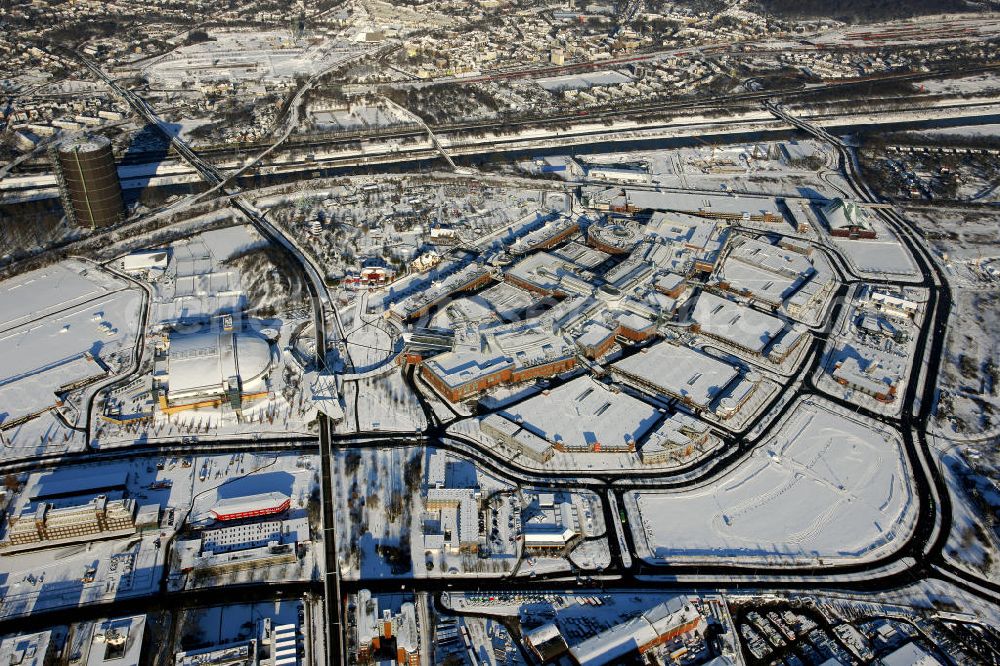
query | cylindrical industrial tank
[92, 193]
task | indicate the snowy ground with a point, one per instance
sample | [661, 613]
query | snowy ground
[826, 487]
[382, 402]
[966, 85]
[970, 396]
[971, 545]
[592, 554]
[255, 55]
[379, 513]
[965, 242]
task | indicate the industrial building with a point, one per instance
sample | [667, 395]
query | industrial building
[271, 554]
[615, 239]
[585, 415]
[662, 623]
[879, 386]
[676, 372]
[516, 437]
[674, 440]
[596, 339]
[242, 546]
[744, 328]
[550, 525]
[909, 654]
[546, 275]
[88, 182]
[44, 523]
[151, 263]
[892, 304]
[67, 483]
[548, 235]
[619, 200]
[254, 506]
[506, 355]
[214, 368]
[426, 300]
[117, 641]
[546, 642]
[457, 525]
[37, 649]
[810, 295]
[847, 219]
[763, 272]
[375, 631]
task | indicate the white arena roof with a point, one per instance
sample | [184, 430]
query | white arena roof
[201, 364]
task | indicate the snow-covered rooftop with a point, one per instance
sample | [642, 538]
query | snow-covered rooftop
[201, 364]
[677, 371]
[743, 326]
[585, 414]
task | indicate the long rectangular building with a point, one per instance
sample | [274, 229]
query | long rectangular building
[507, 355]
[675, 371]
[658, 625]
[742, 327]
[42, 523]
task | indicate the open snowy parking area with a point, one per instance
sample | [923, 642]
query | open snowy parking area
[878, 258]
[826, 488]
[65, 328]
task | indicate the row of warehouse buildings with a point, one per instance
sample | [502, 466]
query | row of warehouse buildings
[665, 622]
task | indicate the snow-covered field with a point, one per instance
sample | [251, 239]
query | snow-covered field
[271, 56]
[966, 85]
[64, 326]
[826, 487]
[382, 402]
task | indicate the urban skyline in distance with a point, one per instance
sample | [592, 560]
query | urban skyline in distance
[500, 333]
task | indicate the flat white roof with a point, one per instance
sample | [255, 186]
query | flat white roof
[129, 629]
[759, 282]
[585, 412]
[249, 503]
[16, 649]
[550, 273]
[458, 368]
[679, 371]
[770, 257]
[909, 655]
[593, 334]
[737, 323]
[615, 643]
